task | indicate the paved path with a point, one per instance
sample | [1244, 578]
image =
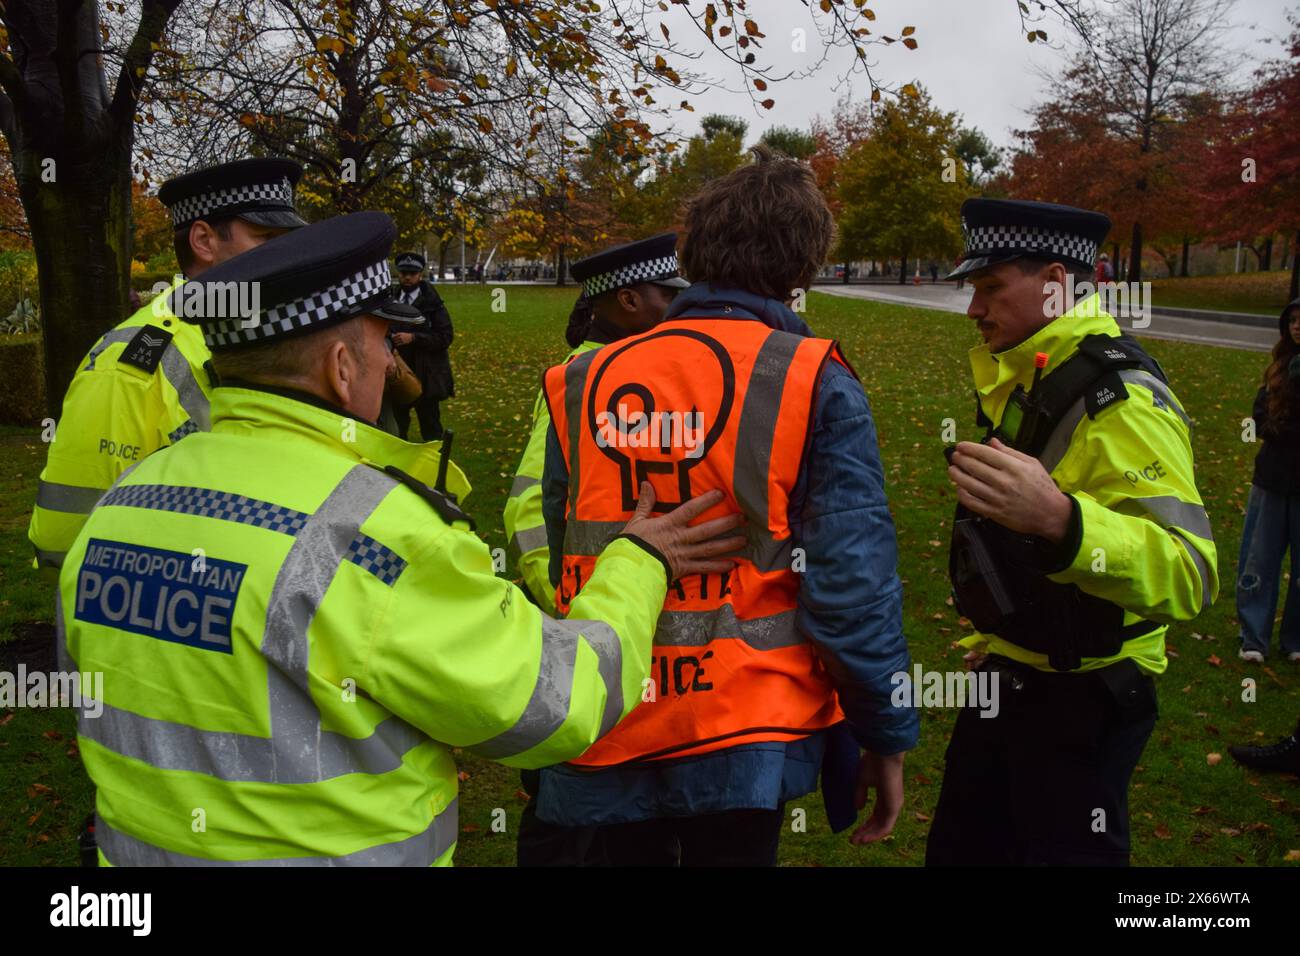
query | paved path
[947, 298]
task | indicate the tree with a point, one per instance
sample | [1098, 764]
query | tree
[1154, 54]
[977, 154]
[1254, 187]
[71, 141]
[792, 142]
[894, 194]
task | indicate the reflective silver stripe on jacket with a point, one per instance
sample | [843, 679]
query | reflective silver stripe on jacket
[697, 628]
[298, 750]
[575, 384]
[528, 539]
[1158, 389]
[111, 337]
[755, 437]
[522, 483]
[548, 706]
[193, 399]
[1172, 512]
[422, 849]
[1175, 515]
[50, 559]
[69, 499]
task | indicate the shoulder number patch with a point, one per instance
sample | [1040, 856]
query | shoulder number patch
[1103, 393]
[146, 349]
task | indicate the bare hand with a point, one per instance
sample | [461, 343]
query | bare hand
[885, 775]
[689, 549]
[1011, 488]
[402, 338]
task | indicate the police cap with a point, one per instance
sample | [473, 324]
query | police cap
[652, 260]
[999, 230]
[410, 262]
[258, 190]
[298, 282]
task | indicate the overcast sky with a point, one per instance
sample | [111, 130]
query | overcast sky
[971, 56]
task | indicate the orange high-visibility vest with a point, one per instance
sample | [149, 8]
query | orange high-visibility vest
[694, 405]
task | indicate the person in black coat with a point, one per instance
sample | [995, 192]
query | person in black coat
[424, 348]
[1273, 511]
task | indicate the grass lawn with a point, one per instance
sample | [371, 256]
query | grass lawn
[1260, 292]
[1185, 811]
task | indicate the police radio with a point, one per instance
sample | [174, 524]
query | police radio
[1024, 413]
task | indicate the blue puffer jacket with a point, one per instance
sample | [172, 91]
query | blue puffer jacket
[850, 608]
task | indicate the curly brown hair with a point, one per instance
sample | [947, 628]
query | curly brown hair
[1282, 398]
[764, 228]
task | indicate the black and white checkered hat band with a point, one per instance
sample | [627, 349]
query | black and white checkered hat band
[265, 194]
[989, 240]
[650, 270]
[292, 316]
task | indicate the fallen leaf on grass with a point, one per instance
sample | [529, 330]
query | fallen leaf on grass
[52, 735]
[1213, 759]
[1292, 856]
[470, 828]
[921, 817]
[1213, 660]
[1162, 832]
[7, 717]
[1230, 831]
[1202, 811]
[1255, 827]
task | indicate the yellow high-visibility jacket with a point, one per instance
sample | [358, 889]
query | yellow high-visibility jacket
[293, 640]
[1146, 541]
[525, 528]
[142, 386]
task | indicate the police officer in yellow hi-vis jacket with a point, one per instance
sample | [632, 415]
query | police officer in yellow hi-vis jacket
[144, 384]
[295, 629]
[1079, 537]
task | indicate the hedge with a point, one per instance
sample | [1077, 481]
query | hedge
[22, 380]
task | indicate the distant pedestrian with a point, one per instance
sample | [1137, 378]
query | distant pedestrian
[424, 348]
[934, 272]
[1273, 509]
[1105, 271]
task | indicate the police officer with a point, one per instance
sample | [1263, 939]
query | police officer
[295, 628]
[625, 290]
[1079, 537]
[144, 384]
[424, 347]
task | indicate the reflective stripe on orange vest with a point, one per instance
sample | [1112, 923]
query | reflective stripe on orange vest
[692, 405]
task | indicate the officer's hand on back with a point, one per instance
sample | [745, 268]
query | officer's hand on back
[1011, 488]
[688, 549]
